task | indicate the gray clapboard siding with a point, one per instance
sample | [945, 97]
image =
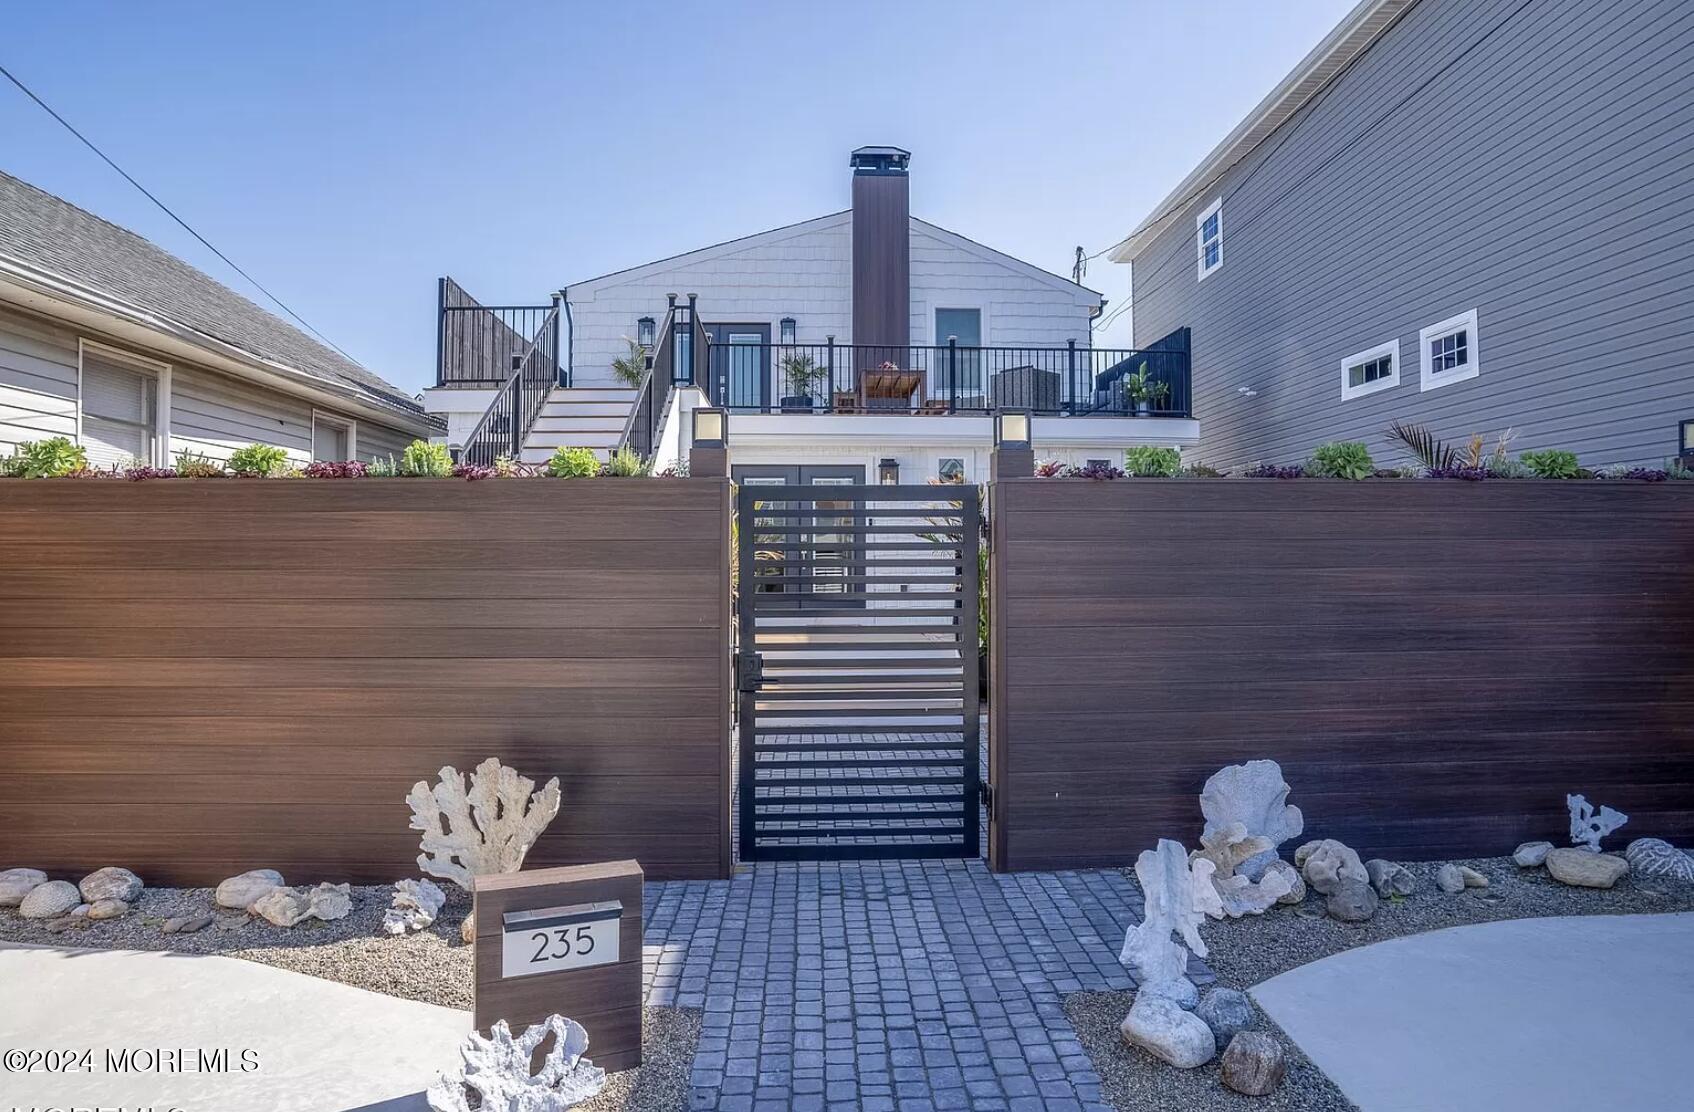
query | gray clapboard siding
[38, 377]
[214, 417]
[378, 442]
[1545, 180]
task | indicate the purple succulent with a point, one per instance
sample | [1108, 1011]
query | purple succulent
[328, 469]
[137, 474]
[1647, 474]
[1273, 471]
[473, 472]
[1469, 474]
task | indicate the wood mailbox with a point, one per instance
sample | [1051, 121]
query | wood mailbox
[564, 940]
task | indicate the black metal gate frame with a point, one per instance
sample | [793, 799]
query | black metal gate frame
[787, 527]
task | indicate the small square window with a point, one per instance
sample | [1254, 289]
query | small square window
[1208, 238]
[1449, 351]
[950, 470]
[1371, 371]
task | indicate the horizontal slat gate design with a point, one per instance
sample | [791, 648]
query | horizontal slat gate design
[859, 729]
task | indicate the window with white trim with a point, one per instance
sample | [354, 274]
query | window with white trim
[1208, 239]
[1370, 371]
[120, 410]
[950, 469]
[1449, 351]
[333, 438]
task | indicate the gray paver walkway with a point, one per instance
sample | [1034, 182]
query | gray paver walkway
[888, 985]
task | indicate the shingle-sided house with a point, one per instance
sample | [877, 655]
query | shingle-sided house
[842, 346]
[1472, 214]
[128, 350]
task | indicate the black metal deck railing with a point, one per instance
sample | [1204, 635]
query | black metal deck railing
[476, 343]
[678, 357]
[519, 402]
[863, 378]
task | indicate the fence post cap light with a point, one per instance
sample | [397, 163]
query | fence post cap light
[711, 427]
[888, 471]
[1011, 428]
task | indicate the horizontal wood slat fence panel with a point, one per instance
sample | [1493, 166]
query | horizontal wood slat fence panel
[1434, 664]
[203, 677]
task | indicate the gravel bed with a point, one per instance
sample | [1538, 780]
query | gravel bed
[1252, 949]
[431, 966]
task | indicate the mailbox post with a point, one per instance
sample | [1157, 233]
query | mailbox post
[564, 940]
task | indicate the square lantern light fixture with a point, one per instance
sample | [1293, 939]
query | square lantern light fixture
[711, 427]
[1011, 429]
[785, 330]
[645, 332]
[888, 472]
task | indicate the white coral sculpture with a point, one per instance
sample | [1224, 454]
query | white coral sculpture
[1178, 895]
[485, 830]
[1247, 816]
[416, 904]
[1587, 828]
[497, 1069]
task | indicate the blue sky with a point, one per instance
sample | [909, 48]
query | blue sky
[347, 154]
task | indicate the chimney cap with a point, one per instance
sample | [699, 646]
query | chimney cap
[879, 160]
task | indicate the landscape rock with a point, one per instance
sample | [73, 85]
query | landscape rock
[1449, 879]
[186, 924]
[50, 900]
[1578, 867]
[242, 892]
[498, 1069]
[467, 930]
[1351, 901]
[110, 883]
[416, 904]
[1586, 827]
[15, 884]
[484, 830]
[64, 923]
[108, 909]
[80, 911]
[1472, 878]
[1178, 990]
[1165, 1031]
[1227, 1012]
[1531, 854]
[1390, 879]
[1239, 896]
[1326, 862]
[1657, 857]
[285, 907]
[1253, 1064]
[1296, 882]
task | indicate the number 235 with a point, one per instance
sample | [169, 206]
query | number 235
[568, 942]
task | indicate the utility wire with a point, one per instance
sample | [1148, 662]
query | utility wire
[45, 107]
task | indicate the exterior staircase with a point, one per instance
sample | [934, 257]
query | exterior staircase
[579, 417]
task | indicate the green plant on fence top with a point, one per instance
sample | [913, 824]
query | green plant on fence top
[573, 463]
[1342, 459]
[423, 460]
[1147, 462]
[194, 465]
[262, 460]
[1552, 463]
[45, 459]
[625, 464]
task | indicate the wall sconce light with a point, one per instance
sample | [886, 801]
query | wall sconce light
[644, 332]
[888, 472]
[785, 331]
[1011, 429]
[711, 427]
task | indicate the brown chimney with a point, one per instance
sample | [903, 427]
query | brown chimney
[882, 251]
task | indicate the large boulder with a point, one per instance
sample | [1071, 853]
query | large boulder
[1351, 901]
[1390, 879]
[1656, 857]
[242, 892]
[1253, 1064]
[50, 900]
[1226, 1012]
[110, 883]
[1582, 869]
[15, 884]
[1162, 1029]
[1326, 862]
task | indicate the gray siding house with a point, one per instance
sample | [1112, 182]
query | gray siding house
[1473, 214]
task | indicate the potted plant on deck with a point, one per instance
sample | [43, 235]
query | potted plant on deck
[1144, 391]
[800, 374]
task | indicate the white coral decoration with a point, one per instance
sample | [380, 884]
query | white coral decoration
[1256, 796]
[1179, 895]
[497, 1068]
[507, 821]
[416, 904]
[1587, 828]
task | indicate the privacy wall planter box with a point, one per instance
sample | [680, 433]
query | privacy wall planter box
[1434, 663]
[201, 677]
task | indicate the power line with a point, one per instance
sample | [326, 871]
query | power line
[45, 107]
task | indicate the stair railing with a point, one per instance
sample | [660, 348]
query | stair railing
[519, 401]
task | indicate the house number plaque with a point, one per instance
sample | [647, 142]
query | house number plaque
[555, 938]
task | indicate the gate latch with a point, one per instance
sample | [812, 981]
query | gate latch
[986, 791]
[752, 671]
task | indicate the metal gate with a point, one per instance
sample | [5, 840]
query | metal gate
[858, 671]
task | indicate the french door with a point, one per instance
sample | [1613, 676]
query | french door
[810, 569]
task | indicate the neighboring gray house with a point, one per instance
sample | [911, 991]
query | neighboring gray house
[1473, 214]
[134, 354]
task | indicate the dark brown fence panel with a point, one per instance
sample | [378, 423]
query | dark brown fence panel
[203, 677]
[1434, 664]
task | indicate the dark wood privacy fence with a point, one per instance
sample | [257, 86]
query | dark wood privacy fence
[202, 677]
[1434, 663]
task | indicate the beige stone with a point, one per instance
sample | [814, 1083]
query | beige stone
[1583, 869]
